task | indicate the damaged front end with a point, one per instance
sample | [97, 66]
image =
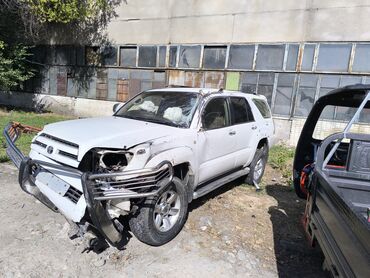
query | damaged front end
[110, 189]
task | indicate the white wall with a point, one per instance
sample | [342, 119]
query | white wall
[221, 21]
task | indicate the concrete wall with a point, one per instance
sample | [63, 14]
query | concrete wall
[77, 107]
[233, 21]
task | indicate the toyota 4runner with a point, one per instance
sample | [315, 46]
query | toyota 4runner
[147, 162]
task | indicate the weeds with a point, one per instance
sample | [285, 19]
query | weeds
[281, 158]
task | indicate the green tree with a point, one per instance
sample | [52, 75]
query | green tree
[67, 11]
[13, 66]
[28, 22]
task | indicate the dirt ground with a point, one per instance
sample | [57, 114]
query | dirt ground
[234, 232]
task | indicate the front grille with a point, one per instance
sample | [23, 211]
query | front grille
[73, 156]
[39, 143]
[73, 194]
[56, 146]
[59, 140]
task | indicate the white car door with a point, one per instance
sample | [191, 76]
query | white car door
[246, 130]
[217, 142]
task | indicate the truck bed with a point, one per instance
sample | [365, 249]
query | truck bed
[337, 212]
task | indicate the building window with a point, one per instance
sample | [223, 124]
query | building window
[173, 56]
[291, 63]
[162, 56]
[80, 56]
[189, 56]
[65, 55]
[39, 54]
[214, 57]
[128, 56]
[306, 94]
[92, 55]
[241, 57]
[334, 57]
[350, 80]
[266, 85]
[248, 82]
[147, 56]
[361, 62]
[270, 57]
[346, 113]
[308, 56]
[109, 56]
[327, 84]
[284, 94]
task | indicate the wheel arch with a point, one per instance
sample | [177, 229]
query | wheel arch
[182, 159]
[262, 142]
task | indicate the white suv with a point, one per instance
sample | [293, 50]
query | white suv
[148, 161]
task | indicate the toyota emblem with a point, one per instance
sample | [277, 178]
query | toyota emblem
[50, 150]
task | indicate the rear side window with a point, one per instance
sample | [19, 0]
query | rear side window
[240, 111]
[262, 107]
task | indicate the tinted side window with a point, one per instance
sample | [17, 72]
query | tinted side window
[215, 114]
[262, 107]
[240, 111]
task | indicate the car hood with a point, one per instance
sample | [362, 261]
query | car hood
[107, 132]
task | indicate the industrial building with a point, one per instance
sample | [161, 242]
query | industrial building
[291, 51]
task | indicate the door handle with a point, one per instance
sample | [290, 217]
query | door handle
[254, 127]
[232, 132]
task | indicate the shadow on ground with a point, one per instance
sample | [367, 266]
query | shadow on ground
[294, 256]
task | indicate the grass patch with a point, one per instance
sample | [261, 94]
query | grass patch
[27, 118]
[281, 158]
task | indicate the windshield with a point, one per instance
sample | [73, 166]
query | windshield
[168, 108]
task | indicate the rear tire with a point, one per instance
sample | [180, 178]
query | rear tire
[258, 165]
[161, 218]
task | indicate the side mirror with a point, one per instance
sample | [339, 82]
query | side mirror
[116, 107]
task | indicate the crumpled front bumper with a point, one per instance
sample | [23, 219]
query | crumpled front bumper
[97, 188]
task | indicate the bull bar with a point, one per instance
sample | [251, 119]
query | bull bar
[97, 188]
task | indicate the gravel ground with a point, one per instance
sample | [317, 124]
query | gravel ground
[231, 233]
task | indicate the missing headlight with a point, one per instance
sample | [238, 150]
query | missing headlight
[114, 160]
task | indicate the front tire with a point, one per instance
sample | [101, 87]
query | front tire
[161, 218]
[258, 165]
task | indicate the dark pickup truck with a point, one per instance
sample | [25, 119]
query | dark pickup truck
[332, 171]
